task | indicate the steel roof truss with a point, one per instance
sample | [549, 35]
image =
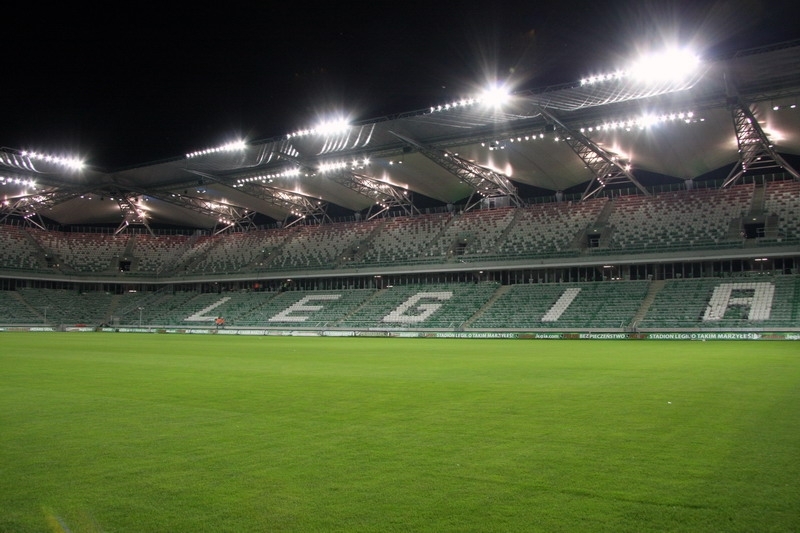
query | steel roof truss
[756, 151]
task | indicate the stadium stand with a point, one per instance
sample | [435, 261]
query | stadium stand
[158, 253]
[732, 303]
[473, 233]
[15, 310]
[701, 219]
[82, 252]
[70, 307]
[549, 229]
[407, 239]
[746, 302]
[320, 247]
[782, 201]
[680, 220]
[564, 305]
[447, 306]
[558, 210]
[306, 308]
[18, 251]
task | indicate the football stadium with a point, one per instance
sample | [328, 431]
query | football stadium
[486, 315]
[659, 196]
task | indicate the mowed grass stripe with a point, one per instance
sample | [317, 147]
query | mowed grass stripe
[136, 432]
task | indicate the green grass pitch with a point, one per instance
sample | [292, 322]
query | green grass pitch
[120, 432]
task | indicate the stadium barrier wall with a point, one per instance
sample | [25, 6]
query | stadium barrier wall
[698, 336]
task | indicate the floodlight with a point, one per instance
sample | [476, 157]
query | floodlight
[664, 66]
[328, 127]
[229, 147]
[332, 126]
[332, 167]
[73, 163]
[495, 96]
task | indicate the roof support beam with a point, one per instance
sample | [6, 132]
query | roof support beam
[226, 216]
[17, 161]
[29, 207]
[298, 206]
[485, 183]
[606, 167]
[756, 151]
[384, 195]
[131, 213]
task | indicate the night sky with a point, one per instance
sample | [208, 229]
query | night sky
[135, 84]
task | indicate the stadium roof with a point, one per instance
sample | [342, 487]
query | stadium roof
[609, 130]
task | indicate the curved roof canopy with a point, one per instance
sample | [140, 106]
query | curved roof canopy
[738, 112]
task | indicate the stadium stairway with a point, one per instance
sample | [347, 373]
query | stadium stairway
[113, 305]
[605, 213]
[735, 229]
[504, 234]
[27, 306]
[359, 248]
[497, 294]
[41, 254]
[599, 226]
[652, 292]
[376, 294]
[757, 203]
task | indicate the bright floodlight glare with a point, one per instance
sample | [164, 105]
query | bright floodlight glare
[332, 126]
[495, 96]
[664, 66]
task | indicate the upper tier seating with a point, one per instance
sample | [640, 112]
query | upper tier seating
[17, 249]
[782, 198]
[402, 240]
[159, 254]
[549, 229]
[474, 233]
[681, 219]
[82, 252]
[322, 246]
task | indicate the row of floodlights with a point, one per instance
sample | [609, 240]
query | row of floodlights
[641, 122]
[70, 162]
[323, 168]
[342, 165]
[291, 173]
[673, 64]
[228, 147]
[492, 97]
[495, 96]
[17, 181]
[667, 65]
[329, 127]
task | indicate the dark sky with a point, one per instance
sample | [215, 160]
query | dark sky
[133, 83]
